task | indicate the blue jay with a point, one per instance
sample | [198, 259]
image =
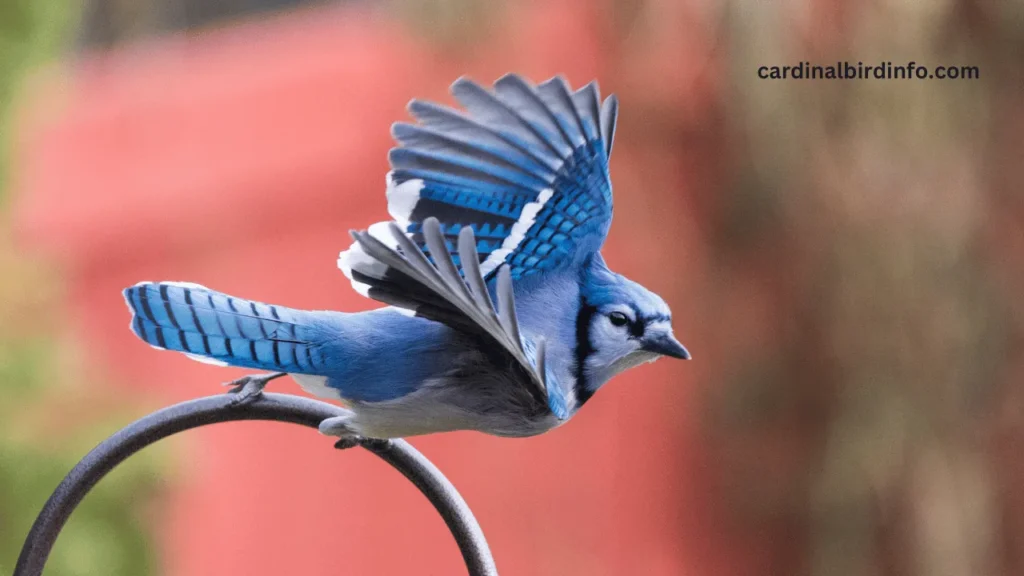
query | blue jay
[501, 317]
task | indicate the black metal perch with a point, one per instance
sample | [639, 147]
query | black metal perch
[227, 408]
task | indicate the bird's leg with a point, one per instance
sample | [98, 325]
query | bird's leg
[248, 388]
[341, 426]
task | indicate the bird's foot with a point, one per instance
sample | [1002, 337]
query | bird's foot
[248, 388]
[374, 444]
[348, 442]
[348, 437]
[341, 426]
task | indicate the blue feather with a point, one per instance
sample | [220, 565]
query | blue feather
[526, 168]
[354, 365]
[192, 319]
[465, 165]
[209, 325]
[452, 122]
[556, 95]
[402, 175]
[491, 110]
[425, 138]
[588, 102]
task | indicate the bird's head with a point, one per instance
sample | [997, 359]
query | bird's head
[621, 325]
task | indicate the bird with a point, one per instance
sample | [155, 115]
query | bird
[500, 314]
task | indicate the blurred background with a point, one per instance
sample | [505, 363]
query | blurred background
[844, 258]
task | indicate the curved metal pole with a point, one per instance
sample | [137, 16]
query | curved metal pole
[227, 408]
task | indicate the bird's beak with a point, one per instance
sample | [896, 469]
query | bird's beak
[666, 345]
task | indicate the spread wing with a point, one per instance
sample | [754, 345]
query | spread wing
[403, 276]
[525, 167]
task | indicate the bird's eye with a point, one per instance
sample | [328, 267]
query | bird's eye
[618, 319]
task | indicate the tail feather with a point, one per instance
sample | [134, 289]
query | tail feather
[216, 328]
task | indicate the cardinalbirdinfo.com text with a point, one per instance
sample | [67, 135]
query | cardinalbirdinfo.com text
[842, 70]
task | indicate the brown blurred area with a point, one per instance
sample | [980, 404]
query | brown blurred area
[845, 259]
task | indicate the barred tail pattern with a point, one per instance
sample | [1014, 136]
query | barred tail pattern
[219, 329]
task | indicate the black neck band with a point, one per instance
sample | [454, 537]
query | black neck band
[583, 350]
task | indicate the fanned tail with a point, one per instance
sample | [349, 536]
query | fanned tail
[216, 328]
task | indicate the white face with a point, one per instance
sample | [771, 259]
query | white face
[616, 342]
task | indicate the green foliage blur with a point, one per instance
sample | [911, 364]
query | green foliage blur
[30, 32]
[52, 411]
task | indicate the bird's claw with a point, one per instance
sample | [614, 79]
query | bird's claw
[352, 441]
[347, 442]
[248, 388]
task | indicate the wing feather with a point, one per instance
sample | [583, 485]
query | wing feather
[491, 147]
[462, 305]
[491, 110]
[458, 124]
[471, 266]
[555, 93]
[532, 109]
[588, 101]
[524, 166]
[507, 303]
[609, 115]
